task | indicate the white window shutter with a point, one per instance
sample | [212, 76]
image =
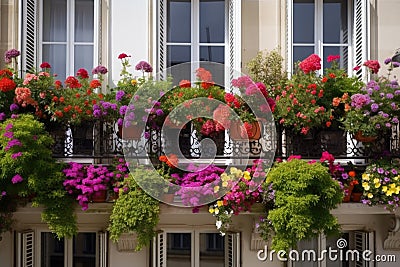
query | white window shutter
[233, 58]
[161, 53]
[160, 250]
[103, 249]
[26, 249]
[232, 250]
[364, 241]
[29, 34]
[361, 36]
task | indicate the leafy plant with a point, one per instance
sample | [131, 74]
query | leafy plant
[24, 143]
[134, 211]
[304, 195]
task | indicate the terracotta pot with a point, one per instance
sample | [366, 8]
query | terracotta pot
[365, 139]
[133, 132]
[99, 196]
[347, 193]
[235, 131]
[356, 196]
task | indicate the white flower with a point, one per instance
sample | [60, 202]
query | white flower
[218, 224]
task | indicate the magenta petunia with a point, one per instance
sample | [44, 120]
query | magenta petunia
[17, 179]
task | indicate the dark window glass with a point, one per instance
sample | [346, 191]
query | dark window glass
[52, 250]
[179, 21]
[179, 249]
[342, 51]
[335, 21]
[212, 21]
[212, 250]
[212, 53]
[301, 52]
[303, 21]
[84, 247]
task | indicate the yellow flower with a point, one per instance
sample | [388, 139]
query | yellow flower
[366, 186]
[370, 195]
[397, 190]
[384, 188]
[133, 82]
[365, 176]
[396, 178]
[211, 210]
[246, 175]
[220, 203]
[225, 184]
[216, 189]
[377, 185]
[216, 211]
[376, 180]
[389, 192]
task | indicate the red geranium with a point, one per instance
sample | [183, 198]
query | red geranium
[82, 73]
[72, 82]
[185, 84]
[95, 84]
[373, 65]
[45, 65]
[122, 56]
[6, 84]
[310, 64]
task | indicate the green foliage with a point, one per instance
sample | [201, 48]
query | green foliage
[42, 179]
[304, 195]
[134, 211]
[267, 67]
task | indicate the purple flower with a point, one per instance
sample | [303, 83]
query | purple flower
[389, 96]
[377, 126]
[120, 122]
[388, 60]
[17, 179]
[144, 66]
[388, 125]
[99, 70]
[9, 135]
[360, 100]
[14, 116]
[9, 126]
[395, 120]
[374, 107]
[97, 113]
[14, 107]
[2, 116]
[16, 155]
[146, 135]
[10, 54]
[159, 112]
[380, 170]
[396, 64]
[3, 193]
[119, 95]
[122, 110]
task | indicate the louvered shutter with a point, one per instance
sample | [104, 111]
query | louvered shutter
[364, 241]
[161, 39]
[29, 34]
[233, 60]
[103, 249]
[160, 250]
[361, 35]
[26, 251]
[232, 250]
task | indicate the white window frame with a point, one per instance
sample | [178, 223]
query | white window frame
[160, 246]
[28, 244]
[232, 43]
[358, 34]
[31, 33]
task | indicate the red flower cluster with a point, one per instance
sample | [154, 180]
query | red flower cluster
[185, 84]
[122, 56]
[72, 82]
[95, 84]
[205, 77]
[6, 84]
[45, 65]
[82, 73]
[310, 64]
[373, 65]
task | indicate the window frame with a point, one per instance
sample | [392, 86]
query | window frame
[318, 44]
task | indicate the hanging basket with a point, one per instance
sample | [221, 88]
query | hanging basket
[365, 139]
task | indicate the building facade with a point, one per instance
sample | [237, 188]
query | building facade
[72, 34]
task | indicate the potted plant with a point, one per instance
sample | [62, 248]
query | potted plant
[305, 193]
[381, 184]
[374, 109]
[25, 143]
[134, 211]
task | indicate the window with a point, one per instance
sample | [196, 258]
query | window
[199, 249]
[347, 254]
[198, 30]
[85, 249]
[61, 32]
[329, 27]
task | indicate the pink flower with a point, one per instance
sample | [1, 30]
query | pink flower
[373, 65]
[333, 58]
[17, 179]
[122, 56]
[45, 65]
[82, 73]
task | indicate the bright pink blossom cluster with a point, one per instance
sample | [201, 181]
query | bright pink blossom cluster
[310, 64]
[373, 65]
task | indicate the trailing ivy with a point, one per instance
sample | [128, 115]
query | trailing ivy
[134, 211]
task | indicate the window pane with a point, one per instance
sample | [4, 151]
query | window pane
[54, 20]
[212, 21]
[310, 245]
[56, 55]
[52, 250]
[342, 51]
[179, 247]
[177, 55]
[303, 21]
[84, 20]
[83, 57]
[301, 52]
[84, 248]
[179, 21]
[212, 250]
[212, 53]
[335, 21]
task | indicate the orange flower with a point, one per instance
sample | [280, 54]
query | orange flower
[352, 174]
[336, 101]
